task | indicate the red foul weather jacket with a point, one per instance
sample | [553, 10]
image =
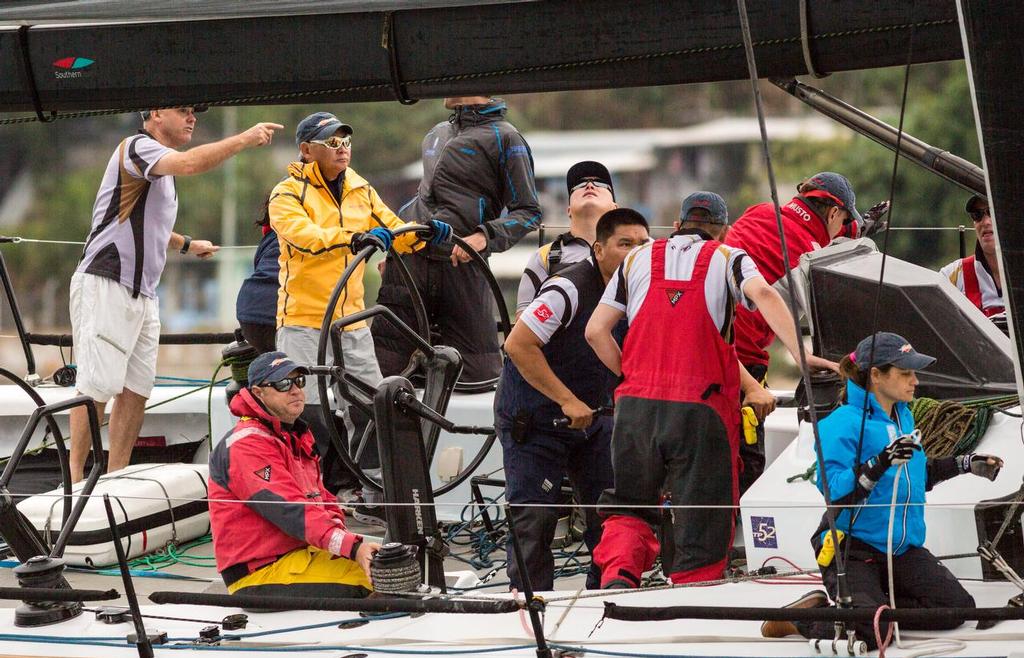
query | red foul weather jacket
[757, 233]
[262, 462]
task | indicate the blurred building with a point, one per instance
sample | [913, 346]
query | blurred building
[652, 168]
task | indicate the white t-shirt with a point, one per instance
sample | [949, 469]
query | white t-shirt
[132, 218]
[730, 268]
[538, 269]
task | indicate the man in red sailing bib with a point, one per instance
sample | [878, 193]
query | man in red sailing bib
[677, 408]
[978, 276]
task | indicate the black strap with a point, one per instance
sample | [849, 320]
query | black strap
[387, 42]
[29, 78]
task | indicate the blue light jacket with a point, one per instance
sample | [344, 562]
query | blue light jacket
[869, 522]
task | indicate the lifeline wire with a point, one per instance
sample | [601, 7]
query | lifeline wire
[773, 506]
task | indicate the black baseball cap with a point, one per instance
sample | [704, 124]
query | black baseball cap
[718, 213]
[891, 349]
[974, 200]
[585, 171]
[272, 366]
[319, 125]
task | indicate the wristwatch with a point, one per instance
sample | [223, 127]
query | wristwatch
[186, 243]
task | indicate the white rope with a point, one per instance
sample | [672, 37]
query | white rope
[931, 646]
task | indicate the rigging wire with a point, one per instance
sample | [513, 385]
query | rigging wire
[881, 275]
[748, 47]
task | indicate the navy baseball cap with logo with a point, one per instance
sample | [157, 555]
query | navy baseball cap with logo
[892, 349]
[718, 213]
[837, 188]
[271, 367]
[319, 125]
[588, 170]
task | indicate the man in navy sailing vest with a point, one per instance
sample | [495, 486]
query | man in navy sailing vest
[552, 373]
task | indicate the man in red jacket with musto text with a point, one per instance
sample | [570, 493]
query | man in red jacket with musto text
[824, 207]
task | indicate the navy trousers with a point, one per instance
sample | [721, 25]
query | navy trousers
[534, 469]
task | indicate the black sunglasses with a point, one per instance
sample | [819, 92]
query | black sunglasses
[285, 385]
[978, 215]
[590, 181]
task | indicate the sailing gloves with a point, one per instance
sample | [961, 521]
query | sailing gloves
[874, 220]
[436, 232]
[896, 453]
[986, 466]
[379, 238]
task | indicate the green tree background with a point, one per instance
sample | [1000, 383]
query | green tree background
[67, 158]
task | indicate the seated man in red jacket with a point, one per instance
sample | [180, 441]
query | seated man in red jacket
[276, 542]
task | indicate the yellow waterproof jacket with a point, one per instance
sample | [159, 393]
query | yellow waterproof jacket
[314, 231]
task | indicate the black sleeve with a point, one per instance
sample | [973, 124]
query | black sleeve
[940, 470]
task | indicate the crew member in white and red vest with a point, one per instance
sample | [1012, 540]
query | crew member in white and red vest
[977, 276]
[677, 413]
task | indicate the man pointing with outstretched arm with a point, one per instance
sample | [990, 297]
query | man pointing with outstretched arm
[115, 317]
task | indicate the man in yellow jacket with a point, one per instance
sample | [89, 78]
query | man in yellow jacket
[323, 214]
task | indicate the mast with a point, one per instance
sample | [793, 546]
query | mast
[991, 40]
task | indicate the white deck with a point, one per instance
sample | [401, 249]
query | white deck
[316, 633]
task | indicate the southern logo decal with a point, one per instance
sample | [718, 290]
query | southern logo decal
[71, 67]
[674, 296]
[263, 473]
[543, 313]
[906, 348]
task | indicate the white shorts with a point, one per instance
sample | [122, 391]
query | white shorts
[116, 337]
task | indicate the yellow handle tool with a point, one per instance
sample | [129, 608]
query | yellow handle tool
[828, 548]
[749, 425]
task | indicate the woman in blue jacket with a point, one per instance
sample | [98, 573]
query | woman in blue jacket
[863, 469]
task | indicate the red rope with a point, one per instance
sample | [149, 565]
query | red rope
[878, 633]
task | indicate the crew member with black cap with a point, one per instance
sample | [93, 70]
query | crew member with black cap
[977, 276]
[870, 447]
[824, 208]
[591, 195]
[115, 316]
[324, 213]
[552, 373]
[277, 531]
[677, 415]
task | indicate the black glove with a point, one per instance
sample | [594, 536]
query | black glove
[979, 465]
[896, 453]
[873, 220]
[378, 237]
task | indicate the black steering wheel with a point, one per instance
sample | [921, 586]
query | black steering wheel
[360, 394]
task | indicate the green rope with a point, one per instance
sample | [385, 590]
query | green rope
[810, 475]
[239, 372]
[955, 427]
[170, 555]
